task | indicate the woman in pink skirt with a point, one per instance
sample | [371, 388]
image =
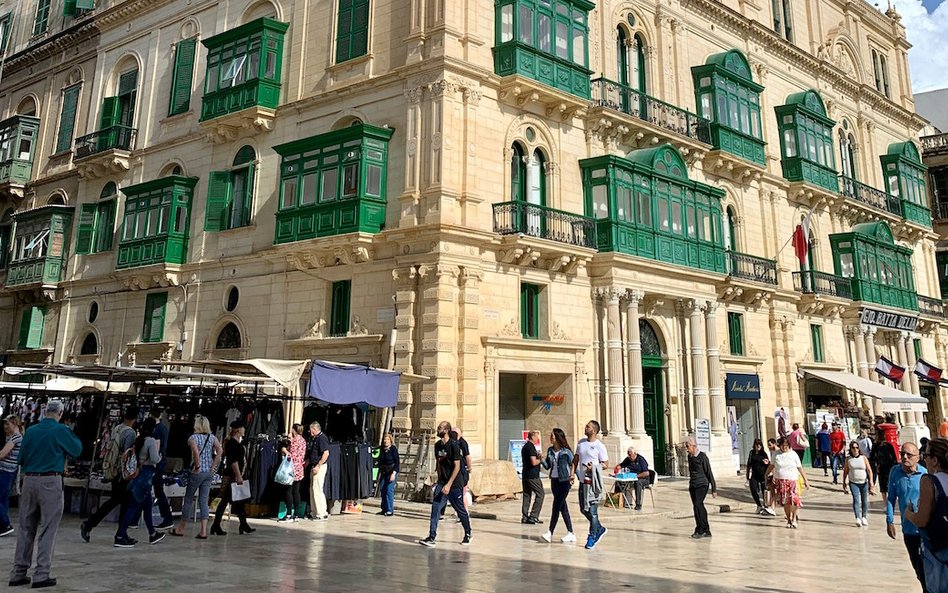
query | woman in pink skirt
[787, 470]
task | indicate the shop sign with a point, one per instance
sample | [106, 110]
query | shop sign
[887, 320]
[741, 386]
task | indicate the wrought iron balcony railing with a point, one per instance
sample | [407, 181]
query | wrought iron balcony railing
[111, 138]
[749, 267]
[533, 220]
[613, 95]
[813, 282]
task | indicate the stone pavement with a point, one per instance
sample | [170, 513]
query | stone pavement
[649, 552]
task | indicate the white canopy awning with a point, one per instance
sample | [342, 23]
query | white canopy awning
[892, 400]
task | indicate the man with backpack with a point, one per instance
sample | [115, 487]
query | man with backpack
[904, 482]
[121, 439]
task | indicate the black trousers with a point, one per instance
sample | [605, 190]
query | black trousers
[913, 544]
[238, 508]
[118, 498]
[757, 491]
[293, 498]
[701, 514]
[532, 492]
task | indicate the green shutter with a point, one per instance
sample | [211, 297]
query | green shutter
[153, 329]
[183, 75]
[42, 18]
[105, 225]
[218, 199]
[69, 8]
[67, 118]
[917, 345]
[530, 310]
[248, 196]
[31, 327]
[110, 113]
[85, 4]
[339, 313]
[735, 330]
[816, 338]
[352, 30]
[85, 235]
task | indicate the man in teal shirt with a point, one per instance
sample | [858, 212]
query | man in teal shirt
[43, 453]
[904, 482]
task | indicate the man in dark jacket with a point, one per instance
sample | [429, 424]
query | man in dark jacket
[701, 479]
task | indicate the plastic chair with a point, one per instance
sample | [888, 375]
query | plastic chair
[652, 477]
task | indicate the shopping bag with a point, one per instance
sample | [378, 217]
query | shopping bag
[285, 474]
[239, 492]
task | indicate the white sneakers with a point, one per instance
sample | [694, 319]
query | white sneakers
[865, 522]
[547, 537]
[569, 538]
[858, 522]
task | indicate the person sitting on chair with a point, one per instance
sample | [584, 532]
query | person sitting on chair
[636, 464]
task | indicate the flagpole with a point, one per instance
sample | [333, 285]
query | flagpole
[790, 240]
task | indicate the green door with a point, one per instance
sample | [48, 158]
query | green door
[654, 410]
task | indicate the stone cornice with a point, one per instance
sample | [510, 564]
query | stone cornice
[46, 48]
[126, 11]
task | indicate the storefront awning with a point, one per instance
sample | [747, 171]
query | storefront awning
[892, 400]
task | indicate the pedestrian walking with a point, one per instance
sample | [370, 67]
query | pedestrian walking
[787, 470]
[865, 444]
[883, 459]
[12, 427]
[318, 458]
[121, 439]
[799, 441]
[206, 453]
[701, 479]
[904, 487]
[859, 475]
[943, 428]
[389, 466]
[450, 487]
[930, 517]
[295, 450]
[232, 473]
[465, 469]
[158, 480]
[590, 459]
[769, 481]
[757, 462]
[838, 450]
[140, 462]
[530, 479]
[823, 447]
[43, 453]
[559, 463]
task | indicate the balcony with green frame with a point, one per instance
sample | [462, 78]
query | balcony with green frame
[644, 205]
[156, 222]
[806, 142]
[879, 271]
[40, 247]
[541, 53]
[242, 80]
[17, 142]
[905, 177]
[333, 184]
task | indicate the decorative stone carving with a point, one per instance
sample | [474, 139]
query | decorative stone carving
[357, 328]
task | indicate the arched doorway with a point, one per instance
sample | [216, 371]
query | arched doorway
[653, 392]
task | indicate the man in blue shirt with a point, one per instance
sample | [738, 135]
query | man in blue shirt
[904, 482]
[43, 453]
[635, 464]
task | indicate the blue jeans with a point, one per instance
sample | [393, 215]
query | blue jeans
[860, 494]
[387, 492]
[200, 484]
[838, 461]
[140, 501]
[590, 511]
[6, 484]
[456, 498]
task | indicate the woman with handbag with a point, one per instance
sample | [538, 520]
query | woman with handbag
[389, 465]
[138, 466]
[295, 451]
[799, 441]
[232, 474]
[858, 474]
[206, 454]
[787, 470]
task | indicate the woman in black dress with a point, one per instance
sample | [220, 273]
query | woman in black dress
[232, 472]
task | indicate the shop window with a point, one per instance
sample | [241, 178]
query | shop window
[339, 310]
[816, 342]
[806, 141]
[228, 338]
[182, 75]
[90, 345]
[31, 328]
[41, 21]
[153, 328]
[735, 333]
[230, 193]
[530, 311]
[67, 118]
[97, 222]
[352, 29]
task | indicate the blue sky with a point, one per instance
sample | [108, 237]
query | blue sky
[926, 24]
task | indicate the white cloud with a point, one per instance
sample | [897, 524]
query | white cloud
[928, 33]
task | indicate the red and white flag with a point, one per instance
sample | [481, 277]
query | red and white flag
[927, 372]
[801, 239]
[890, 370]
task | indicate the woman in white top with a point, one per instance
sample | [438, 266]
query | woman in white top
[859, 475]
[787, 470]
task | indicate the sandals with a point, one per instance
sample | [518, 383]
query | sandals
[174, 533]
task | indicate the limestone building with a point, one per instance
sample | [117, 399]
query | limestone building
[567, 209]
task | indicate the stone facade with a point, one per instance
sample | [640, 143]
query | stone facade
[439, 272]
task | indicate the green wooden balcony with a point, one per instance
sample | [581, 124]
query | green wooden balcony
[39, 251]
[622, 98]
[366, 215]
[16, 172]
[42, 270]
[17, 142]
[253, 93]
[156, 222]
[517, 58]
[917, 213]
[633, 239]
[803, 169]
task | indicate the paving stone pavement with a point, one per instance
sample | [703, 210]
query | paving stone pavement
[648, 552]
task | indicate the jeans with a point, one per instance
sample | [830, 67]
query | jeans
[757, 491]
[913, 545]
[387, 491]
[118, 498]
[140, 501]
[158, 483]
[838, 461]
[860, 494]
[560, 507]
[6, 484]
[701, 514]
[532, 499]
[292, 499]
[440, 500]
[199, 483]
[590, 511]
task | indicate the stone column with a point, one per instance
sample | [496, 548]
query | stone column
[868, 334]
[862, 366]
[901, 343]
[714, 371]
[634, 345]
[699, 365]
[616, 417]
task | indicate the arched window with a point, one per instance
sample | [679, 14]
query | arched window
[638, 63]
[651, 346]
[230, 193]
[622, 56]
[537, 179]
[90, 345]
[783, 18]
[847, 152]
[228, 338]
[730, 233]
[518, 173]
[26, 107]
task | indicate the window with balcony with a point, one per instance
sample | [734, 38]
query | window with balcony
[115, 120]
[333, 183]
[41, 20]
[879, 270]
[339, 308]
[806, 141]
[530, 311]
[97, 222]
[17, 146]
[630, 52]
[545, 40]
[156, 222]
[905, 175]
[244, 67]
[39, 245]
[182, 75]
[153, 326]
[31, 327]
[728, 96]
[230, 193]
[735, 333]
[783, 18]
[816, 342]
[67, 117]
[352, 29]
[847, 152]
[645, 205]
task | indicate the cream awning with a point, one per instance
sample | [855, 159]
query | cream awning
[892, 400]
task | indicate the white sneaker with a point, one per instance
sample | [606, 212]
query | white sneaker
[858, 522]
[865, 522]
[569, 538]
[770, 511]
[547, 537]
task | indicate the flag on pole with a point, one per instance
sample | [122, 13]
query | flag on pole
[801, 239]
[890, 370]
[927, 372]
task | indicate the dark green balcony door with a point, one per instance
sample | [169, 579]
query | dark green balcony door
[528, 185]
[653, 391]
[118, 114]
[631, 71]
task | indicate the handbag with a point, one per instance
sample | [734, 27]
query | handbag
[285, 474]
[239, 492]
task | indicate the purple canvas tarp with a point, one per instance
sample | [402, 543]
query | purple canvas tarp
[353, 384]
